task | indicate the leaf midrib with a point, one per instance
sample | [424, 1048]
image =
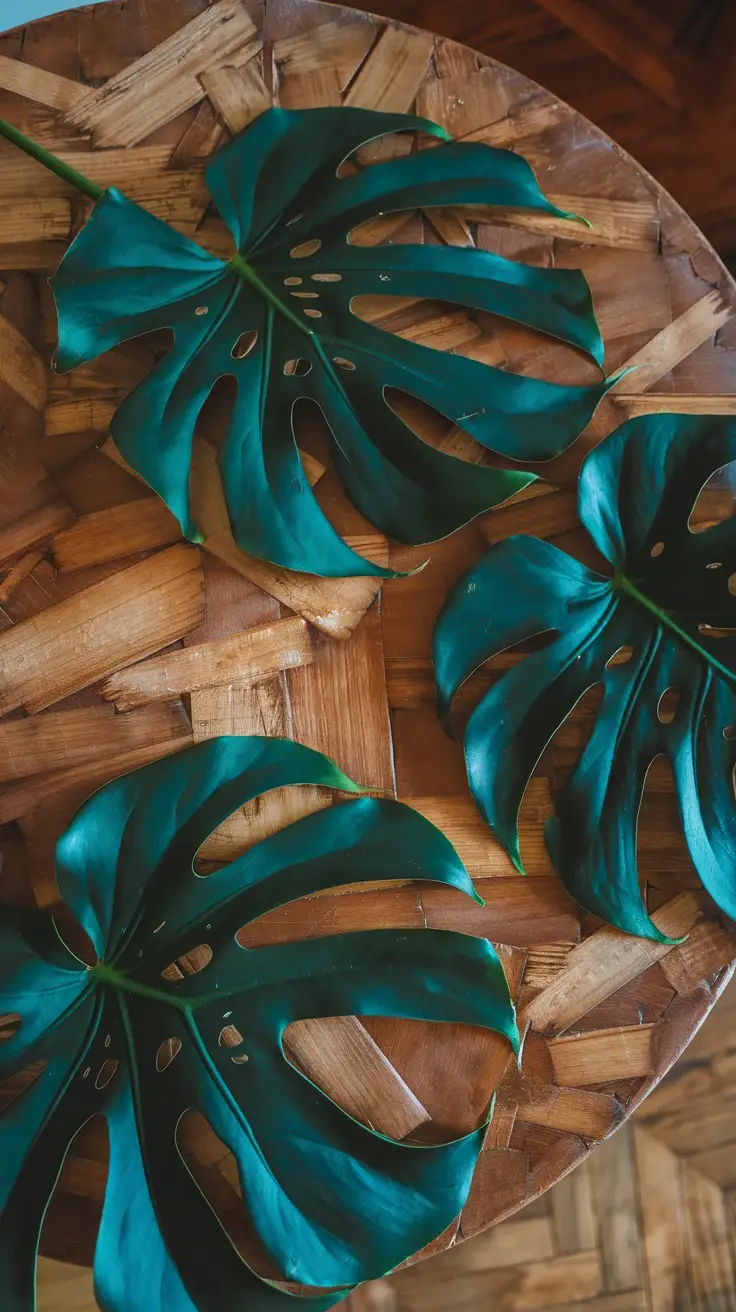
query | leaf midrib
[622, 583]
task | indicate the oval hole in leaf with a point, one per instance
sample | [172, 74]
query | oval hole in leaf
[293, 282]
[170, 1048]
[716, 564]
[299, 367]
[306, 296]
[620, 657]
[190, 963]
[20, 1083]
[667, 705]
[343, 363]
[9, 1026]
[202, 310]
[715, 501]
[729, 733]
[213, 1167]
[712, 631]
[106, 1073]
[293, 220]
[230, 1037]
[326, 277]
[307, 248]
[244, 344]
[657, 549]
[314, 314]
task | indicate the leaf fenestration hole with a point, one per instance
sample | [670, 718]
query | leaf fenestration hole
[326, 277]
[293, 282]
[158, 928]
[306, 248]
[169, 1049]
[20, 1083]
[244, 344]
[667, 705]
[716, 564]
[620, 657]
[190, 963]
[343, 363]
[293, 220]
[729, 733]
[713, 631]
[9, 1026]
[716, 500]
[299, 367]
[731, 584]
[202, 309]
[657, 549]
[240, 1058]
[306, 296]
[314, 314]
[106, 1073]
[230, 1037]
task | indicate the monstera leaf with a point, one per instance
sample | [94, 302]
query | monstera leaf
[277, 317]
[667, 604]
[333, 1202]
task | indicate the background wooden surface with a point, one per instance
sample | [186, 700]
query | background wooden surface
[96, 583]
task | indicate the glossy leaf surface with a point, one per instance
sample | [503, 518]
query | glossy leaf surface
[669, 596]
[278, 318]
[333, 1202]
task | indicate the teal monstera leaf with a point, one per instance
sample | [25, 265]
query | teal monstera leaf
[277, 317]
[333, 1202]
[668, 598]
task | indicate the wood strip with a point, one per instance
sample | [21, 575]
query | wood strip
[106, 535]
[163, 83]
[37, 793]
[527, 121]
[21, 176]
[545, 514]
[605, 962]
[56, 740]
[573, 1111]
[39, 85]
[21, 367]
[244, 658]
[340, 1056]
[18, 573]
[623, 224]
[36, 219]
[238, 94]
[320, 87]
[653, 403]
[676, 342]
[394, 71]
[708, 1239]
[126, 617]
[35, 528]
[340, 45]
[602, 1055]
[573, 1213]
[78, 414]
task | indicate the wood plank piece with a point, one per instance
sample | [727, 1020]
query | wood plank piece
[602, 1055]
[56, 740]
[39, 85]
[675, 343]
[238, 94]
[126, 617]
[163, 83]
[245, 657]
[36, 219]
[35, 528]
[112, 534]
[21, 367]
[340, 1056]
[605, 962]
[623, 224]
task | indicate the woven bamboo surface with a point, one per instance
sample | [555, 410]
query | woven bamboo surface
[96, 582]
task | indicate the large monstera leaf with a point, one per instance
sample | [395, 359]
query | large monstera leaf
[667, 600]
[283, 304]
[333, 1202]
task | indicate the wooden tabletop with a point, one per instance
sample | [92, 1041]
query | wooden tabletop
[95, 577]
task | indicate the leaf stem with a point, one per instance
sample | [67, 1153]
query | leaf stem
[248, 274]
[624, 584]
[105, 974]
[51, 161]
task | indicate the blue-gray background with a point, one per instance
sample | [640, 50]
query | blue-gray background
[15, 12]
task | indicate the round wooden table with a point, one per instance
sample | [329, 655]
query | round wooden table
[83, 542]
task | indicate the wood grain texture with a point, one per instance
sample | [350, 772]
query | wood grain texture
[124, 600]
